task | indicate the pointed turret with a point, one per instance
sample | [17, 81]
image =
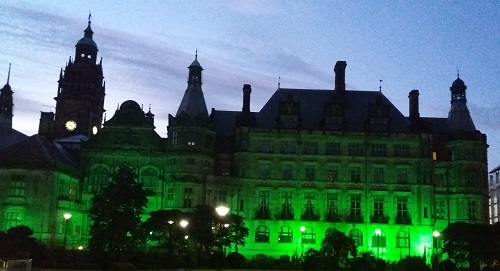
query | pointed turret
[193, 103]
[86, 48]
[6, 104]
[459, 118]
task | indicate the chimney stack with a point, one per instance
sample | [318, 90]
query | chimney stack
[247, 89]
[413, 98]
[340, 76]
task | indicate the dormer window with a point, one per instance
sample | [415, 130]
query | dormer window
[191, 143]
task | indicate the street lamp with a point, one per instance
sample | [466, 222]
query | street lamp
[377, 234]
[66, 216]
[435, 259]
[222, 212]
[303, 230]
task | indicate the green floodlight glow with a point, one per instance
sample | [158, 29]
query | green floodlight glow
[436, 234]
[302, 228]
[378, 231]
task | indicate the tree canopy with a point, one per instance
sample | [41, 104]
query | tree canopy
[115, 213]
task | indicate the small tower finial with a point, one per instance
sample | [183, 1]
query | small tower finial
[8, 74]
[196, 55]
[90, 16]
[380, 85]
[279, 82]
[458, 73]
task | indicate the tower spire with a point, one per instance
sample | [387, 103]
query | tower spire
[8, 74]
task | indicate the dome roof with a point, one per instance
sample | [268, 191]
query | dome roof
[130, 105]
[458, 83]
[87, 41]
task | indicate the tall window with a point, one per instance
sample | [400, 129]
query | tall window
[219, 197]
[402, 239]
[310, 147]
[265, 171]
[379, 150]
[174, 138]
[378, 240]
[471, 178]
[402, 207]
[285, 235]
[378, 207]
[378, 174]
[149, 179]
[13, 218]
[355, 149]
[18, 185]
[310, 172]
[355, 174]
[262, 234]
[472, 210]
[356, 205]
[263, 209]
[309, 208]
[357, 236]
[402, 150]
[188, 197]
[170, 197]
[288, 147]
[309, 236]
[402, 176]
[286, 207]
[287, 172]
[332, 148]
[331, 205]
[440, 209]
[98, 178]
[332, 173]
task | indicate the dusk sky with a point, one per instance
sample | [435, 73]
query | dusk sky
[146, 47]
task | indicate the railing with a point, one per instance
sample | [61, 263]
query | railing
[379, 219]
[403, 220]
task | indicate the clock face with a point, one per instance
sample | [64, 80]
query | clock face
[94, 130]
[70, 125]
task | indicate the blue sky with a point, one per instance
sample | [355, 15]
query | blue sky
[147, 45]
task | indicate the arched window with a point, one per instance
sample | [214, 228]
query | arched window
[98, 178]
[262, 234]
[308, 236]
[149, 178]
[285, 235]
[357, 236]
[402, 239]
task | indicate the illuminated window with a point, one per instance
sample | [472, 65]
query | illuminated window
[331, 205]
[309, 236]
[378, 240]
[434, 156]
[262, 234]
[378, 207]
[263, 208]
[286, 207]
[356, 205]
[402, 239]
[191, 143]
[357, 236]
[285, 235]
[174, 138]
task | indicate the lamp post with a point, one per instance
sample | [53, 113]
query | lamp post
[377, 234]
[66, 216]
[435, 259]
[222, 212]
[303, 230]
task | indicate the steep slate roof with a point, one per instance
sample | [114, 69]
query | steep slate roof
[37, 152]
[130, 113]
[312, 103]
[9, 136]
[193, 103]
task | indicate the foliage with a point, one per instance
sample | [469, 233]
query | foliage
[236, 232]
[447, 265]
[18, 243]
[472, 244]
[336, 248]
[115, 213]
[411, 263]
[311, 259]
[367, 262]
[235, 260]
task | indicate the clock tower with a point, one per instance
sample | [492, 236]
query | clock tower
[81, 91]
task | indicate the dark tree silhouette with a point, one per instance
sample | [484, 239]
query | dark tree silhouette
[18, 243]
[336, 248]
[115, 214]
[164, 228]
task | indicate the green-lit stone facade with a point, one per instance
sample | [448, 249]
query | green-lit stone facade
[308, 162]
